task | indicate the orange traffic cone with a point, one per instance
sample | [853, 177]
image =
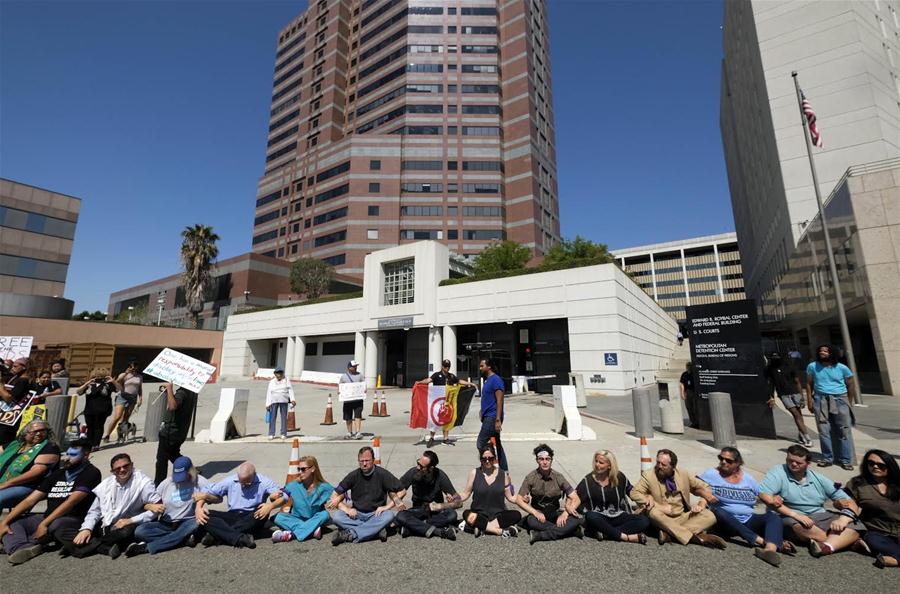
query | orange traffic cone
[292, 419]
[646, 460]
[383, 412]
[329, 413]
[294, 464]
[374, 412]
[377, 447]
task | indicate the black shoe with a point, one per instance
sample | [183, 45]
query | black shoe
[114, 552]
[246, 541]
[404, 533]
[579, 533]
[430, 532]
[382, 535]
[536, 536]
[341, 536]
[209, 540]
[136, 548]
[448, 533]
[190, 541]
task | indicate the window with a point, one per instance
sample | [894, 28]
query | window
[422, 165]
[307, 223]
[263, 237]
[371, 233]
[284, 120]
[424, 88]
[280, 153]
[419, 130]
[338, 213]
[330, 238]
[480, 68]
[481, 188]
[295, 228]
[424, 67]
[482, 109]
[329, 173]
[482, 166]
[482, 235]
[332, 193]
[268, 199]
[451, 11]
[374, 187]
[472, 30]
[480, 49]
[374, 165]
[335, 260]
[343, 347]
[32, 268]
[311, 349]
[451, 29]
[481, 130]
[281, 252]
[482, 211]
[452, 234]
[294, 248]
[452, 210]
[452, 108]
[420, 234]
[421, 211]
[477, 11]
[373, 211]
[480, 89]
[425, 188]
[399, 282]
[38, 223]
[452, 165]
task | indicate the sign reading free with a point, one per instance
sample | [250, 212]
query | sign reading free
[15, 347]
[187, 372]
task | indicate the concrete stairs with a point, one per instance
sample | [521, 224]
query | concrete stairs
[680, 356]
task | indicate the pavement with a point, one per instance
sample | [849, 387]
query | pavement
[571, 565]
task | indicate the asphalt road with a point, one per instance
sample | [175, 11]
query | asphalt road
[415, 564]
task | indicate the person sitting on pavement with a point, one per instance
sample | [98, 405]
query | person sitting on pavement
[367, 516]
[488, 486]
[352, 408]
[177, 521]
[279, 396]
[118, 509]
[603, 498]
[665, 494]
[434, 500]
[736, 493]
[443, 377]
[249, 505]
[26, 462]
[308, 493]
[784, 381]
[69, 494]
[799, 495]
[44, 387]
[539, 497]
[877, 493]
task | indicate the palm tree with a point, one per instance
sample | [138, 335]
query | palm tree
[198, 250]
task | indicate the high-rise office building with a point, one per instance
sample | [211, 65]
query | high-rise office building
[401, 120]
[847, 55]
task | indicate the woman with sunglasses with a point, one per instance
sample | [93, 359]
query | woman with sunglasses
[488, 486]
[736, 493]
[25, 462]
[877, 492]
[309, 493]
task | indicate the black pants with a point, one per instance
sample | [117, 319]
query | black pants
[419, 519]
[228, 526]
[690, 403]
[101, 541]
[506, 518]
[614, 527]
[549, 529]
[95, 424]
[166, 451]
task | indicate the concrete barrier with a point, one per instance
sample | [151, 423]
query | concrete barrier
[58, 415]
[566, 415]
[643, 412]
[320, 377]
[154, 406]
[722, 419]
[230, 419]
[671, 418]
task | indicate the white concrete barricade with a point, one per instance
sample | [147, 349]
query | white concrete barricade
[264, 373]
[567, 419]
[320, 377]
[232, 412]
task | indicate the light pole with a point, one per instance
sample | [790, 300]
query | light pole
[130, 312]
[160, 302]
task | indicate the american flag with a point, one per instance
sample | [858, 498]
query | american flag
[811, 120]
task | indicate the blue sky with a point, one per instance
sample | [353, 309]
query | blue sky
[155, 114]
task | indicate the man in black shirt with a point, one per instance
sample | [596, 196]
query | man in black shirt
[173, 429]
[69, 494]
[367, 515]
[689, 395]
[443, 378]
[785, 381]
[430, 514]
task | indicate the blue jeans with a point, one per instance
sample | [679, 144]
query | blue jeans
[489, 430]
[828, 422]
[13, 496]
[882, 544]
[163, 535]
[768, 525]
[365, 526]
[278, 409]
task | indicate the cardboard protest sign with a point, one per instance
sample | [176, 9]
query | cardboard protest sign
[349, 392]
[181, 370]
[10, 413]
[15, 347]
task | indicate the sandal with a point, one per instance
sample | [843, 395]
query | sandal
[788, 548]
[642, 539]
[879, 562]
[823, 463]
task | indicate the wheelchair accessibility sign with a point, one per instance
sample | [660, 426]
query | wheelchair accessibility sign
[611, 358]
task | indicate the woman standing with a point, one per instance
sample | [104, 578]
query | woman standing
[877, 492]
[45, 387]
[25, 462]
[603, 497]
[309, 494]
[279, 396]
[488, 486]
[128, 384]
[98, 404]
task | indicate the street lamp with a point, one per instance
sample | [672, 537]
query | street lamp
[160, 302]
[130, 312]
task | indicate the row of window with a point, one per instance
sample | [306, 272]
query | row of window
[32, 268]
[36, 223]
[330, 238]
[333, 172]
[289, 59]
[330, 216]
[332, 193]
[452, 211]
[467, 234]
[281, 152]
[282, 121]
[286, 134]
[287, 89]
[287, 75]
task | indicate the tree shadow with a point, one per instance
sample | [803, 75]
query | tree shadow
[214, 467]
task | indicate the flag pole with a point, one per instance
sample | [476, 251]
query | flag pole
[835, 281]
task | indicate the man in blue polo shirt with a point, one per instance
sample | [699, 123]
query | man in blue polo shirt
[492, 407]
[828, 384]
[249, 506]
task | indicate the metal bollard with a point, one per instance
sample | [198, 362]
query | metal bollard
[643, 413]
[722, 419]
[58, 416]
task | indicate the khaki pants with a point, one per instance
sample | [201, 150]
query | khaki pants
[683, 526]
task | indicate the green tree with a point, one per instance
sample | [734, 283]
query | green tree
[310, 277]
[198, 251]
[501, 256]
[86, 315]
[578, 250]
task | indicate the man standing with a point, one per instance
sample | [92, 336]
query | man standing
[119, 509]
[249, 506]
[828, 385]
[539, 497]
[69, 494]
[443, 378]
[492, 408]
[353, 408]
[173, 430]
[367, 516]
[665, 494]
[688, 395]
[430, 513]
[785, 381]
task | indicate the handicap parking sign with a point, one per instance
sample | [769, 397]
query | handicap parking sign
[611, 358]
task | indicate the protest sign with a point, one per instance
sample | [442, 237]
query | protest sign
[10, 413]
[15, 347]
[181, 370]
[354, 391]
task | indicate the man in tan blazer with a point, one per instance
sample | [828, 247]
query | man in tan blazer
[664, 493]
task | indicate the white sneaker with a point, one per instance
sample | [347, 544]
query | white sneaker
[271, 437]
[284, 437]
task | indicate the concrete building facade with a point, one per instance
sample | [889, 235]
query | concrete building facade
[395, 121]
[686, 272]
[37, 232]
[592, 321]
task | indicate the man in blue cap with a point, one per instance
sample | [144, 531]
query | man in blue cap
[69, 494]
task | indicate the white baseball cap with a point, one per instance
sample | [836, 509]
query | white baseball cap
[352, 363]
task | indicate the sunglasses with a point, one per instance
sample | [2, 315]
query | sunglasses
[876, 465]
[725, 460]
[488, 458]
[303, 468]
[122, 468]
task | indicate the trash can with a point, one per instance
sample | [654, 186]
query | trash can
[58, 415]
[671, 417]
[155, 402]
[577, 380]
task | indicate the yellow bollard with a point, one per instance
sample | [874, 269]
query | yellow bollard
[378, 381]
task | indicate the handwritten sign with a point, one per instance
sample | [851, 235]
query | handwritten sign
[181, 370]
[10, 413]
[15, 347]
[354, 391]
